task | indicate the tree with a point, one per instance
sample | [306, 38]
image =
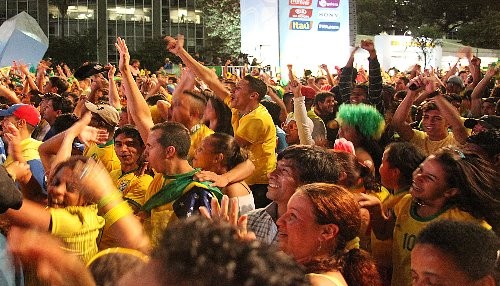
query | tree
[426, 39]
[375, 16]
[222, 23]
[478, 18]
[73, 50]
[479, 32]
[152, 53]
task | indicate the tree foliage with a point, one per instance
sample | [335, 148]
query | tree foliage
[153, 53]
[426, 39]
[73, 50]
[480, 33]
[222, 23]
[473, 21]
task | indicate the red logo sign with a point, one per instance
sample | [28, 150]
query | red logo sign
[300, 13]
[300, 2]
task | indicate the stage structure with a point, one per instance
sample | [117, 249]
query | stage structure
[22, 40]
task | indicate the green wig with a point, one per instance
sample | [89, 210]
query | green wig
[365, 117]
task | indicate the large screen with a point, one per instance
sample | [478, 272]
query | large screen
[305, 33]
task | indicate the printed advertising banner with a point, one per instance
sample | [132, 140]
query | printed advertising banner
[311, 32]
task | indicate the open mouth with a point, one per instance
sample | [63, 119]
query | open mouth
[415, 189]
[272, 185]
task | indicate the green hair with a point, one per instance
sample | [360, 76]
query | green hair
[366, 118]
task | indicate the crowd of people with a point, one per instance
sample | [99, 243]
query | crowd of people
[355, 177]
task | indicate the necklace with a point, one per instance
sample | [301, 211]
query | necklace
[419, 203]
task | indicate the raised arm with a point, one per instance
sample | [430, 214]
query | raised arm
[274, 96]
[9, 94]
[399, 119]
[121, 223]
[479, 90]
[374, 76]
[475, 70]
[136, 104]
[29, 77]
[185, 83]
[345, 78]
[98, 82]
[114, 98]
[58, 148]
[225, 68]
[300, 113]
[382, 225]
[207, 75]
[451, 115]
[453, 70]
[32, 179]
[40, 74]
[328, 75]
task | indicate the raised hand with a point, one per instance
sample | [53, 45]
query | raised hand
[492, 70]
[295, 87]
[228, 212]
[88, 134]
[19, 171]
[175, 45]
[94, 179]
[11, 133]
[354, 51]
[368, 45]
[111, 72]
[122, 49]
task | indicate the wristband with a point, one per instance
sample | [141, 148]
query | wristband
[104, 201]
[433, 94]
[117, 212]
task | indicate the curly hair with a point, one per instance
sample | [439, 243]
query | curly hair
[197, 251]
[366, 118]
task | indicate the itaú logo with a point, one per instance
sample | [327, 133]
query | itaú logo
[329, 26]
[300, 25]
[328, 3]
[300, 13]
[300, 2]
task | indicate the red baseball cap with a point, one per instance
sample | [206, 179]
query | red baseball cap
[23, 111]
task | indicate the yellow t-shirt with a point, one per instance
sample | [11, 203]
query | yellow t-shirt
[133, 187]
[78, 227]
[257, 127]
[29, 150]
[381, 250]
[408, 225]
[198, 133]
[421, 140]
[105, 153]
